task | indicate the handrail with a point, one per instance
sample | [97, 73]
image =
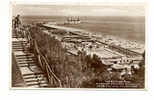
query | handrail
[52, 72]
[47, 66]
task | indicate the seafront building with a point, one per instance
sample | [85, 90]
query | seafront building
[117, 53]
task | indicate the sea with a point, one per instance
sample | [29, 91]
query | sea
[126, 27]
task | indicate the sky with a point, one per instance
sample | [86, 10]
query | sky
[126, 9]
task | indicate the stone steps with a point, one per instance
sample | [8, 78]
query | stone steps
[32, 74]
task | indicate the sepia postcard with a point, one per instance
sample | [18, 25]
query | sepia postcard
[90, 46]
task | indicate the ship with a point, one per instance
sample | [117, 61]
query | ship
[73, 20]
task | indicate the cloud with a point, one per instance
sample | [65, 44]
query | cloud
[64, 10]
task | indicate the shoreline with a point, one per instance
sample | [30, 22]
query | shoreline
[105, 34]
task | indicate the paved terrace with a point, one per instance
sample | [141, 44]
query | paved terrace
[64, 28]
[74, 30]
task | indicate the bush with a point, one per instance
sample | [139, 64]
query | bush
[76, 71]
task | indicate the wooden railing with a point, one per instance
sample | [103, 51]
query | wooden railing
[54, 81]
